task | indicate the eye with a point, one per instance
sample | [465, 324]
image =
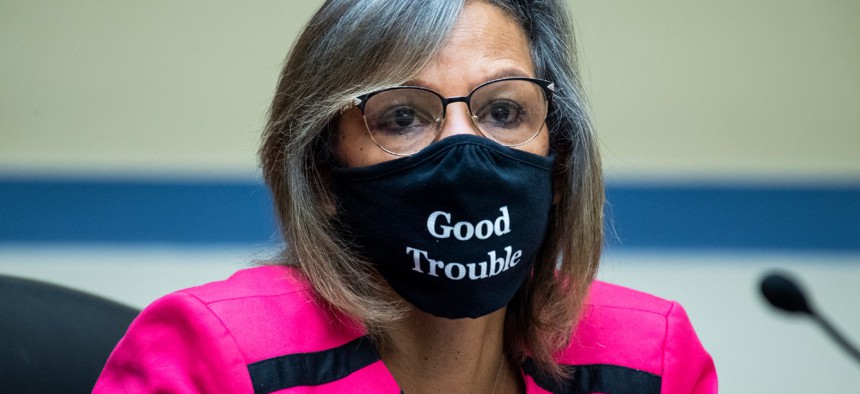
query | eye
[402, 120]
[501, 113]
[404, 116]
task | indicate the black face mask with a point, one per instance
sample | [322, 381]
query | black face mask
[454, 228]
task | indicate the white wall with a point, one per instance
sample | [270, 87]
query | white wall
[684, 89]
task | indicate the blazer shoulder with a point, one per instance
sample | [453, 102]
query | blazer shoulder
[608, 295]
[641, 335]
[203, 339]
[270, 311]
[624, 327]
[262, 281]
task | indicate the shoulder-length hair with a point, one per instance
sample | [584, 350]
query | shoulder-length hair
[352, 47]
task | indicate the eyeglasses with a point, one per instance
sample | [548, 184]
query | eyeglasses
[405, 119]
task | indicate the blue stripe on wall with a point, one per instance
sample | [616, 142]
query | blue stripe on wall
[735, 217]
[669, 216]
[133, 211]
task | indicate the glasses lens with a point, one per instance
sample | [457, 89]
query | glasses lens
[403, 120]
[511, 112]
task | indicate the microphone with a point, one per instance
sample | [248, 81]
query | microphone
[785, 294]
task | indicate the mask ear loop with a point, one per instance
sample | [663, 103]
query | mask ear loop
[325, 159]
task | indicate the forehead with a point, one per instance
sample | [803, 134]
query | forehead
[485, 43]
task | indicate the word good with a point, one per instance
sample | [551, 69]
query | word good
[464, 231]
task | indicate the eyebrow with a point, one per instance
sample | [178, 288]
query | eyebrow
[508, 72]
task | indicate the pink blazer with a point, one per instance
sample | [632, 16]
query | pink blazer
[260, 331]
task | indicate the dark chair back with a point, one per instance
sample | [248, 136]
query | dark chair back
[55, 339]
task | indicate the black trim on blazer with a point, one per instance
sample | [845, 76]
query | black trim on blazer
[597, 378]
[312, 369]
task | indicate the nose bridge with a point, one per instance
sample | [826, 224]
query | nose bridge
[457, 119]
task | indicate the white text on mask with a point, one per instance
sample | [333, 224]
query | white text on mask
[464, 231]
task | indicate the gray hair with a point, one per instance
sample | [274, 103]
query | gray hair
[351, 47]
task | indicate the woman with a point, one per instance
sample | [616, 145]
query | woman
[440, 194]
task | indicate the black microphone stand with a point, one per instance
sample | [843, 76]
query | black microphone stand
[785, 294]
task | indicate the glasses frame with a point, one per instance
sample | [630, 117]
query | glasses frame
[547, 86]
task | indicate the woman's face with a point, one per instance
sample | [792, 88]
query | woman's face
[485, 44]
